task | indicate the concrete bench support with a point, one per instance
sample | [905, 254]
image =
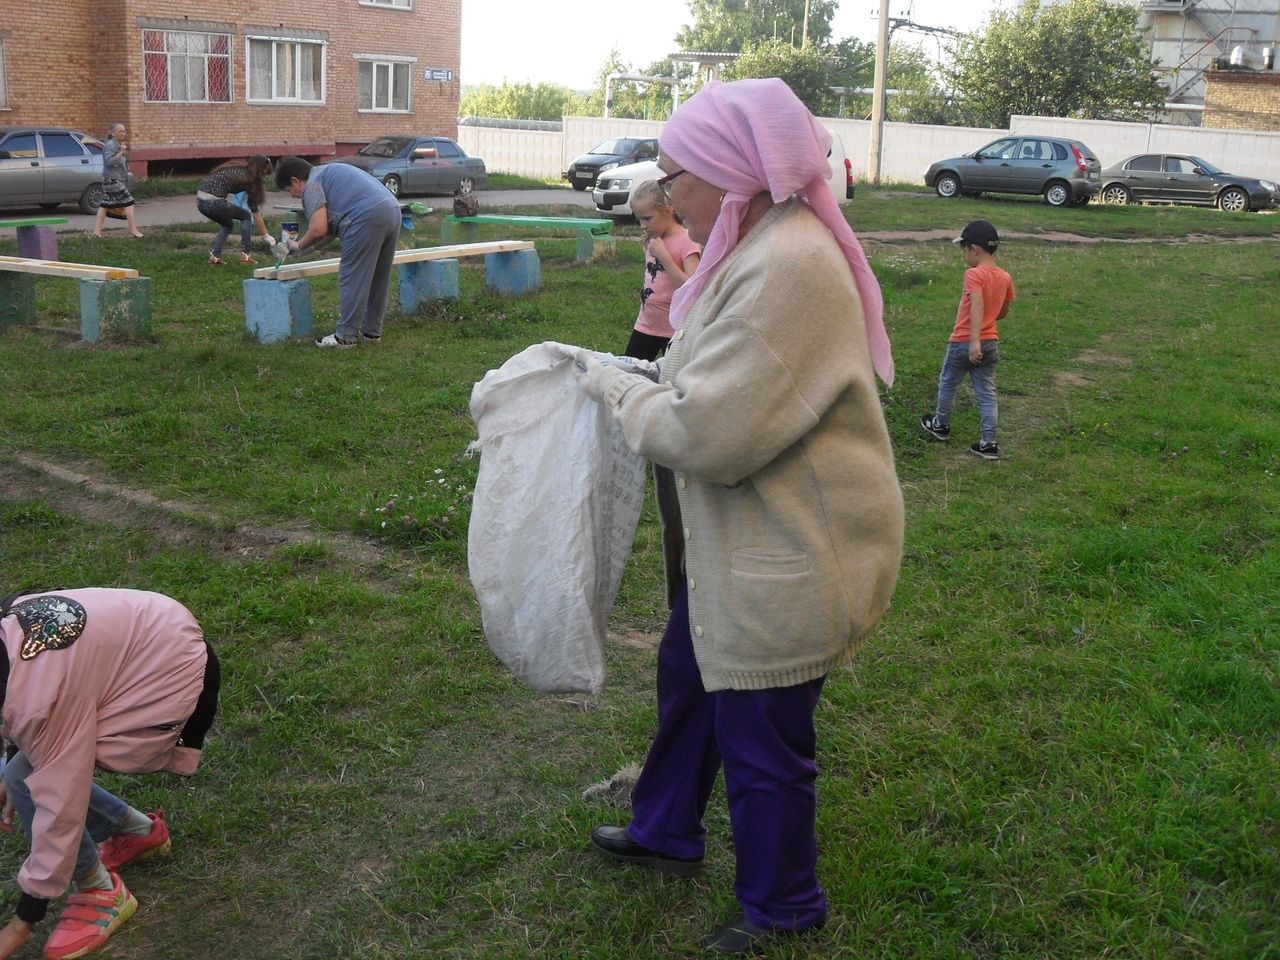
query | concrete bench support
[513, 273]
[591, 245]
[17, 298]
[425, 280]
[276, 310]
[37, 243]
[115, 309]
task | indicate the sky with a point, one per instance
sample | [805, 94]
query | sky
[555, 41]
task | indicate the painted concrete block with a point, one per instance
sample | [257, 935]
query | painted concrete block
[37, 243]
[276, 310]
[17, 298]
[513, 273]
[590, 245]
[427, 280]
[115, 310]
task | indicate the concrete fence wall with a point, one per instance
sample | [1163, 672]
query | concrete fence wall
[908, 148]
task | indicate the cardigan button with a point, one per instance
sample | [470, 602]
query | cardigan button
[693, 584]
[683, 483]
[679, 334]
[697, 631]
[687, 534]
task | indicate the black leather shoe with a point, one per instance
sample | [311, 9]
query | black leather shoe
[614, 843]
[740, 938]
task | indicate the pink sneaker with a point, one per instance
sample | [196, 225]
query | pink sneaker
[123, 849]
[89, 920]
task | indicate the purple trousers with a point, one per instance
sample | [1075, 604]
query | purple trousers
[765, 740]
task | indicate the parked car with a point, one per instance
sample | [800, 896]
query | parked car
[1179, 178]
[411, 164]
[49, 166]
[612, 193]
[1063, 171]
[582, 173]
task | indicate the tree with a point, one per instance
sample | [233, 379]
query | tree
[1078, 58]
[525, 101]
[805, 71]
[729, 26]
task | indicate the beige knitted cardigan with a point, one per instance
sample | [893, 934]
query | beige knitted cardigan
[769, 418]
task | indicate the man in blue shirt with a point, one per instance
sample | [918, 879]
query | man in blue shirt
[344, 201]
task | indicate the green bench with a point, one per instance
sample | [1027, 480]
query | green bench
[36, 239]
[593, 234]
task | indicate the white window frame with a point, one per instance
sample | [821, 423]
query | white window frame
[4, 83]
[388, 62]
[405, 5]
[254, 96]
[169, 55]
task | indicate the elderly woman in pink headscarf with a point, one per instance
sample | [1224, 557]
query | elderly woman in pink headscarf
[781, 509]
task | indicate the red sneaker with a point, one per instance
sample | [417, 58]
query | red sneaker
[89, 920]
[123, 849]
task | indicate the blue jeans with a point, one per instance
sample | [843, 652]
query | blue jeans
[106, 816]
[954, 367]
[224, 214]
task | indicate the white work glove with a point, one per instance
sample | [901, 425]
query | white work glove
[645, 368]
[593, 375]
[292, 245]
[279, 249]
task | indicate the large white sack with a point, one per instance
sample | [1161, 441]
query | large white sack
[557, 501]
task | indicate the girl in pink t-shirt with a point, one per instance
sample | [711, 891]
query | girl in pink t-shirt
[670, 258]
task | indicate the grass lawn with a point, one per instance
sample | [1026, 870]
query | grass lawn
[1061, 743]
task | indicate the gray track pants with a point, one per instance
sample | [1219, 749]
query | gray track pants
[364, 278]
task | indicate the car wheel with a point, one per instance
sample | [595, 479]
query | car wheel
[1233, 199]
[91, 199]
[1117, 193]
[466, 184]
[1057, 194]
[392, 183]
[947, 185]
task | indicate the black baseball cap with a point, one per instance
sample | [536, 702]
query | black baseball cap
[979, 233]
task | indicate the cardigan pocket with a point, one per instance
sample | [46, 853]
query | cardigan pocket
[778, 611]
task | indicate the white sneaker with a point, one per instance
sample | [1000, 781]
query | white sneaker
[332, 341]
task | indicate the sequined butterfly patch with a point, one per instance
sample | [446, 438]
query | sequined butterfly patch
[49, 623]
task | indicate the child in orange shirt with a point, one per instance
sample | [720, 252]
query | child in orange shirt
[670, 257]
[975, 343]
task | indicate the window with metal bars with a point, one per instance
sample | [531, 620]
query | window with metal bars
[186, 67]
[285, 71]
[397, 4]
[4, 85]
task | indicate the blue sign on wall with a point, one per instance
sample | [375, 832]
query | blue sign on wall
[438, 74]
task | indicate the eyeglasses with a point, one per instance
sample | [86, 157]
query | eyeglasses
[664, 183]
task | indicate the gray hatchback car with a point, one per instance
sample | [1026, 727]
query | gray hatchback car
[1062, 171]
[48, 166]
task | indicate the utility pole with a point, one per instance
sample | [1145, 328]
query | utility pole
[877, 94]
[804, 33]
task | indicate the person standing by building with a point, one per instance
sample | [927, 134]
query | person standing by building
[344, 201]
[115, 181]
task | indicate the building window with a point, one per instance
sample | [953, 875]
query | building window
[395, 4]
[182, 67]
[286, 71]
[383, 85]
[4, 87]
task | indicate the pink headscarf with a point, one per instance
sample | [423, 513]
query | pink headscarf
[755, 135]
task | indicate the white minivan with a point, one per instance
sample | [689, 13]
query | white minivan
[613, 190]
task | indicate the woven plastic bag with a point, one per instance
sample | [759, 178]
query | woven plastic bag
[557, 501]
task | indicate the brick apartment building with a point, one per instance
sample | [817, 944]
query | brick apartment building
[197, 83]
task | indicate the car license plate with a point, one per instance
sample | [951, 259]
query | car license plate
[585, 176]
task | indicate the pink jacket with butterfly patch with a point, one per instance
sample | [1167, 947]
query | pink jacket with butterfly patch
[111, 686]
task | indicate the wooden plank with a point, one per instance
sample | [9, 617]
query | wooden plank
[595, 225]
[316, 268]
[33, 222]
[54, 268]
